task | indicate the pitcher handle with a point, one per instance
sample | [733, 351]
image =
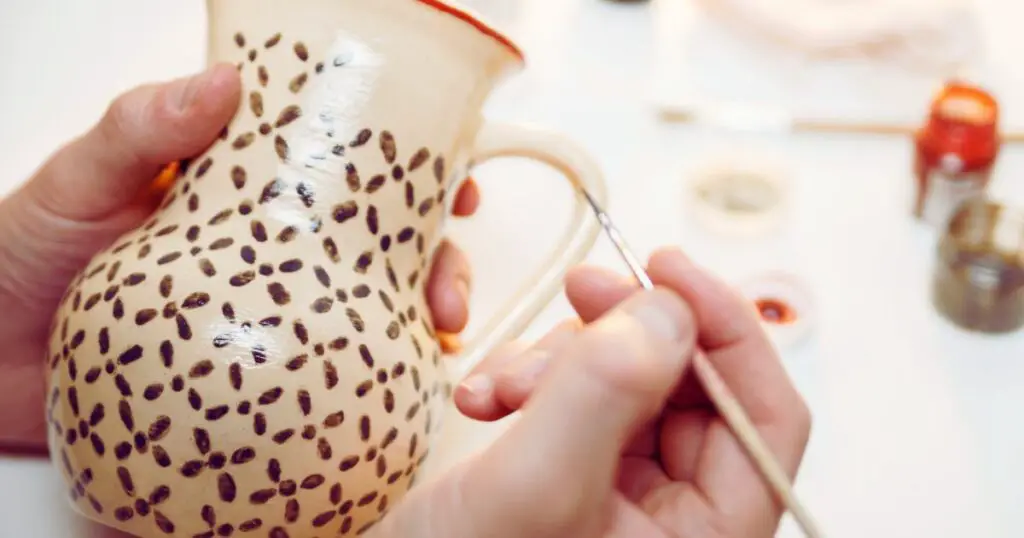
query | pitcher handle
[512, 140]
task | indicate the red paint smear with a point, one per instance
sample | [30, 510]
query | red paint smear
[776, 311]
[486, 30]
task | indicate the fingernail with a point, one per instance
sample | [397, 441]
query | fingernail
[661, 313]
[479, 385]
[184, 92]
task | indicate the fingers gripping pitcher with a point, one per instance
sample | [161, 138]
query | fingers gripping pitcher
[258, 358]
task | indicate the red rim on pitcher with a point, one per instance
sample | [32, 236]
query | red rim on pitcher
[483, 27]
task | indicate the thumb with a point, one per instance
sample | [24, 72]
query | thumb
[554, 469]
[85, 195]
[142, 131]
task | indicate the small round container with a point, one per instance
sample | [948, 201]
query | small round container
[978, 283]
[740, 195]
[784, 304]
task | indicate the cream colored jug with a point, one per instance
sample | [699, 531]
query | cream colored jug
[258, 358]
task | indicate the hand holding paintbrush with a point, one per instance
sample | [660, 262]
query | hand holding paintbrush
[729, 407]
[603, 398]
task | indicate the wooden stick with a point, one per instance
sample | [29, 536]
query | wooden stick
[683, 115]
[740, 424]
[726, 403]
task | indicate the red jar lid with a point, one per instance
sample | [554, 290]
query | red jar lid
[962, 105]
[962, 122]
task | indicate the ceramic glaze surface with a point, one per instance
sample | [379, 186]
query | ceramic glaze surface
[259, 357]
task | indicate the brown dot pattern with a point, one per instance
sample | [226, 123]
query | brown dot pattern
[225, 371]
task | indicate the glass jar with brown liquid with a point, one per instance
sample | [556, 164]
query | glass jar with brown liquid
[979, 279]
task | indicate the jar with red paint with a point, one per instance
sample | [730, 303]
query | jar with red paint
[784, 304]
[955, 151]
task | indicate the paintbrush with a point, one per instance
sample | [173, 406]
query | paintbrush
[728, 407]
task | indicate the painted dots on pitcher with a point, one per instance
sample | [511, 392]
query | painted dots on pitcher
[301, 51]
[387, 146]
[239, 292]
[296, 84]
[256, 103]
[418, 159]
[361, 138]
[243, 140]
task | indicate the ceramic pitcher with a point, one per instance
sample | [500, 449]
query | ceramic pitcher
[258, 358]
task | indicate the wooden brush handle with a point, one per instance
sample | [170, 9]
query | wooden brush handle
[684, 115]
[740, 424]
[1009, 137]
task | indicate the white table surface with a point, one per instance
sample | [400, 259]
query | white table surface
[917, 425]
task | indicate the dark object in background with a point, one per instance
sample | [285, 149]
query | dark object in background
[955, 151]
[979, 278]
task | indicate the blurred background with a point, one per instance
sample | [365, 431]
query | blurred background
[812, 152]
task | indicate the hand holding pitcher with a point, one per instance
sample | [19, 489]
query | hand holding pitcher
[259, 354]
